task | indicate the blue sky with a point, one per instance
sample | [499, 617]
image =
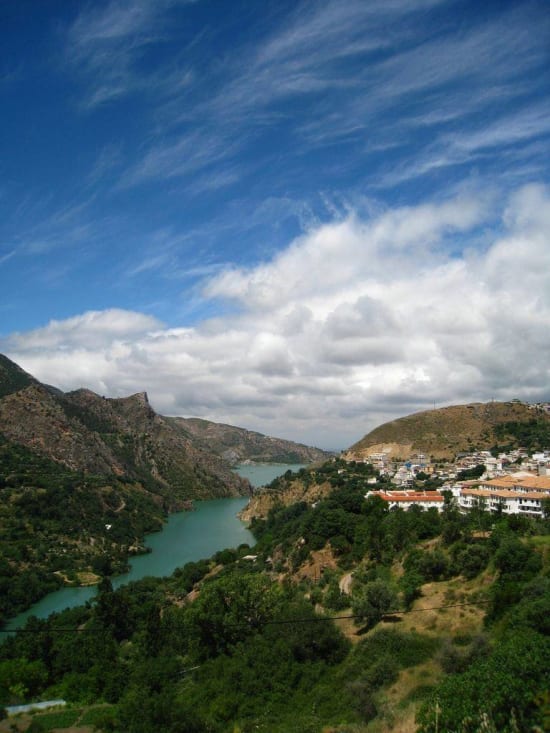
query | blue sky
[301, 218]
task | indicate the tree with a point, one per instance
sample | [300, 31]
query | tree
[410, 584]
[112, 610]
[20, 678]
[229, 610]
[372, 601]
[500, 687]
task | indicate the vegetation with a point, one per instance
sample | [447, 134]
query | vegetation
[56, 523]
[471, 473]
[532, 435]
[238, 445]
[224, 645]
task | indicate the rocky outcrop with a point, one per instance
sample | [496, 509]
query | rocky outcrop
[295, 491]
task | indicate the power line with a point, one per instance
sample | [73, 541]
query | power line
[250, 624]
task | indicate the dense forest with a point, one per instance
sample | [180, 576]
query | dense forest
[438, 619]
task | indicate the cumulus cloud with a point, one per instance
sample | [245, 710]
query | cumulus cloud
[355, 322]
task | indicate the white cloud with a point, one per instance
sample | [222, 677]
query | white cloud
[92, 329]
[354, 323]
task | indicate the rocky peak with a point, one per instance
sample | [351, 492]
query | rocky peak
[140, 397]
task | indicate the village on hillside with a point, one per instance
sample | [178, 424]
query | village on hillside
[511, 483]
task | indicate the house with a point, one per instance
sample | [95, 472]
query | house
[517, 493]
[408, 498]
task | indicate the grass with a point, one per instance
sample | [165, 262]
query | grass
[399, 702]
[541, 543]
[68, 719]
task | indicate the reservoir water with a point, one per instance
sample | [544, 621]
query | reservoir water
[186, 537]
[261, 474]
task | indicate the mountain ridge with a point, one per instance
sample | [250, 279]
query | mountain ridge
[237, 445]
[126, 436]
[83, 478]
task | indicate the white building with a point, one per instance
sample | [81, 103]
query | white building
[406, 499]
[521, 482]
[509, 502]
[520, 493]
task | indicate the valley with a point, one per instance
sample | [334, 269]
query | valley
[341, 611]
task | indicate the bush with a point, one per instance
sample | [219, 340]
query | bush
[517, 561]
[500, 686]
[334, 598]
[469, 560]
[405, 649]
[383, 672]
[410, 584]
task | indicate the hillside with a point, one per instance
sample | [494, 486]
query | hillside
[118, 437]
[444, 432]
[430, 622]
[12, 377]
[83, 479]
[237, 445]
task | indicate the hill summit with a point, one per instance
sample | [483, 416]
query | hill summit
[444, 432]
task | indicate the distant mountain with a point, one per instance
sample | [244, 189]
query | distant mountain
[444, 432]
[237, 445]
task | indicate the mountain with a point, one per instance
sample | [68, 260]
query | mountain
[237, 445]
[12, 377]
[119, 437]
[83, 479]
[444, 432]
[348, 616]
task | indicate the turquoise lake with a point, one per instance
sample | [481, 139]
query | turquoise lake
[186, 537]
[261, 474]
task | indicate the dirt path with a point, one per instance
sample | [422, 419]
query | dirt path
[121, 507]
[345, 584]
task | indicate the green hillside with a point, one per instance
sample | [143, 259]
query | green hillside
[352, 619]
[82, 479]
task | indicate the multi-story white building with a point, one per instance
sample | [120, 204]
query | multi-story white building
[522, 482]
[505, 500]
[520, 493]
